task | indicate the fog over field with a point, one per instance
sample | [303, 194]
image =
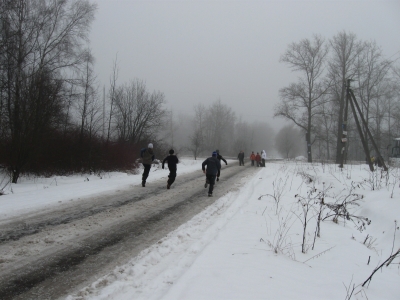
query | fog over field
[98, 80]
[201, 51]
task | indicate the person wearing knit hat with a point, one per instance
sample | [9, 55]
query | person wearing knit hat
[213, 166]
[147, 155]
[172, 161]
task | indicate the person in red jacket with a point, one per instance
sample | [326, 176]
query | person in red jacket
[258, 159]
[252, 158]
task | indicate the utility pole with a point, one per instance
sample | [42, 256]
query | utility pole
[356, 109]
[344, 126]
[104, 111]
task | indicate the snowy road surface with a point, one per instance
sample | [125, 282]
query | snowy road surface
[49, 254]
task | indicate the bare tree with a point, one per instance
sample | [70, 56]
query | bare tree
[112, 94]
[261, 136]
[289, 141]
[372, 87]
[40, 40]
[139, 113]
[394, 104]
[342, 66]
[219, 126]
[300, 100]
[172, 128]
[89, 112]
[197, 138]
[325, 132]
[242, 137]
[307, 205]
[196, 143]
[87, 105]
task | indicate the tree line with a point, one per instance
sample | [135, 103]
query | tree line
[315, 104]
[218, 127]
[53, 118]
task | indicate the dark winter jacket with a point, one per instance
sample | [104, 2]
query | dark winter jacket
[213, 166]
[172, 161]
[147, 156]
[220, 157]
[241, 155]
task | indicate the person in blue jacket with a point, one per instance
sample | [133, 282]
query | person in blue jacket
[211, 167]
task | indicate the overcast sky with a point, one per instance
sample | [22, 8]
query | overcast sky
[202, 51]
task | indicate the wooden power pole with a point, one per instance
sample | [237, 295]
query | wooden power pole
[357, 113]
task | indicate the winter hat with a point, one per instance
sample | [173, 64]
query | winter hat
[171, 151]
[214, 153]
[150, 146]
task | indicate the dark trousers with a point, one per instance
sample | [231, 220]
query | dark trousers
[219, 172]
[145, 172]
[252, 162]
[241, 162]
[171, 176]
[263, 162]
[210, 179]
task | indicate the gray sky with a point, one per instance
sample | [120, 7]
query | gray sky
[201, 51]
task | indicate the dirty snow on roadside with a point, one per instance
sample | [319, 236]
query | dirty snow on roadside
[248, 244]
[32, 194]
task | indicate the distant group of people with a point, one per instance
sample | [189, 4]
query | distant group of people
[211, 167]
[256, 159]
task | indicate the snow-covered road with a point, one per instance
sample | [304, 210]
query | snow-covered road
[49, 253]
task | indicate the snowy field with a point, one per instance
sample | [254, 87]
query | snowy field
[258, 242]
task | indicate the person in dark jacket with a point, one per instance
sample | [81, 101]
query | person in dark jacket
[172, 161]
[241, 158]
[219, 157]
[147, 156]
[211, 167]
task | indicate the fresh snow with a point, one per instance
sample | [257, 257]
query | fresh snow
[226, 251]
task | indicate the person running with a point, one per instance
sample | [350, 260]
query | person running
[172, 161]
[252, 158]
[213, 166]
[241, 158]
[147, 156]
[258, 159]
[263, 158]
[219, 157]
